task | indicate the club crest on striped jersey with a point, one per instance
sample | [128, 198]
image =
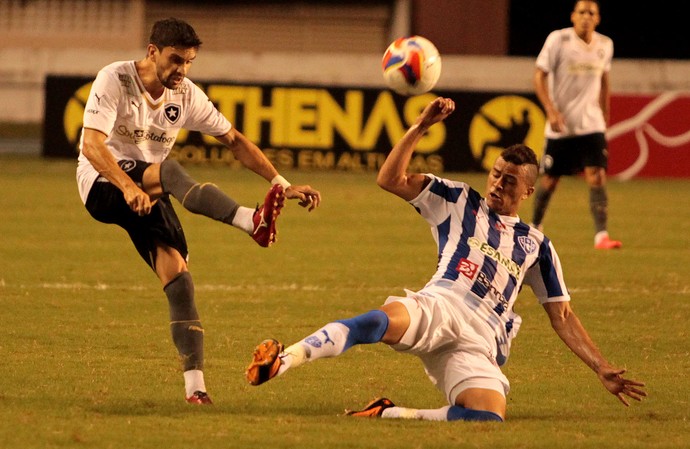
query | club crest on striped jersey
[172, 112]
[527, 244]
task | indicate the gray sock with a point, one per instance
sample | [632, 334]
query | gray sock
[186, 329]
[541, 202]
[598, 205]
[204, 199]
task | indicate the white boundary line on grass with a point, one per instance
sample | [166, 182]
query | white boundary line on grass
[203, 287]
[684, 289]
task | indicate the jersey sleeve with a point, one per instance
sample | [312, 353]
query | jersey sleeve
[100, 111]
[205, 117]
[547, 56]
[609, 53]
[433, 202]
[545, 277]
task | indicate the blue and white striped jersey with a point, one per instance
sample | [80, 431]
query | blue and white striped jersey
[484, 258]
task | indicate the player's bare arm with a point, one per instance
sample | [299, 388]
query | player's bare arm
[605, 97]
[103, 161]
[541, 88]
[254, 159]
[569, 328]
[393, 175]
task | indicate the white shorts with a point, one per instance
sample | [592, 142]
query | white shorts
[457, 349]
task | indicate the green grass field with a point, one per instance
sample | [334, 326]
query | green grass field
[88, 361]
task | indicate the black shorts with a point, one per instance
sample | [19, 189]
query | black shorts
[570, 155]
[107, 204]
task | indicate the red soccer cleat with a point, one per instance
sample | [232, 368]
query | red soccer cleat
[607, 243]
[265, 216]
[199, 398]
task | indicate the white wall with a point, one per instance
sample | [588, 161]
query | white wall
[23, 72]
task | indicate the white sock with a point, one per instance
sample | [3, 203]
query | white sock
[400, 412]
[329, 341]
[292, 357]
[243, 219]
[599, 236]
[194, 381]
[437, 414]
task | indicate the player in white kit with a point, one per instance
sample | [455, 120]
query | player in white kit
[462, 322]
[131, 119]
[572, 83]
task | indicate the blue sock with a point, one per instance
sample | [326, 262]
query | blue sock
[366, 328]
[456, 413]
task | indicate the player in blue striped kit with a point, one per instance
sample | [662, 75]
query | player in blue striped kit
[462, 322]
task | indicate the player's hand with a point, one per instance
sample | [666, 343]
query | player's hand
[137, 200]
[435, 112]
[308, 197]
[556, 121]
[620, 387]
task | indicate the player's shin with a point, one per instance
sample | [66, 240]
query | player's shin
[598, 205]
[187, 332]
[188, 337]
[204, 199]
[447, 413]
[335, 338]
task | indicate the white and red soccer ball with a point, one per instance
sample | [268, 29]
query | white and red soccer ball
[411, 65]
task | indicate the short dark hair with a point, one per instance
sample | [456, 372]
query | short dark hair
[596, 2]
[520, 154]
[174, 32]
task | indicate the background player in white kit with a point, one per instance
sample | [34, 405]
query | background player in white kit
[132, 117]
[461, 323]
[572, 84]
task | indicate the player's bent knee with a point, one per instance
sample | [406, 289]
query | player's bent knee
[483, 399]
[151, 181]
[174, 179]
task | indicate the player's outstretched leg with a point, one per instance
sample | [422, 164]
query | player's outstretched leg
[199, 198]
[208, 200]
[270, 360]
[384, 408]
[265, 216]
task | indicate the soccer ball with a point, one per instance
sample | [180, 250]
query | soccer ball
[411, 65]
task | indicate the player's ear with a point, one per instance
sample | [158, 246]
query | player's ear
[151, 51]
[530, 191]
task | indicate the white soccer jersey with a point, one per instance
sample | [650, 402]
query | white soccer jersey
[575, 69]
[484, 258]
[140, 127]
